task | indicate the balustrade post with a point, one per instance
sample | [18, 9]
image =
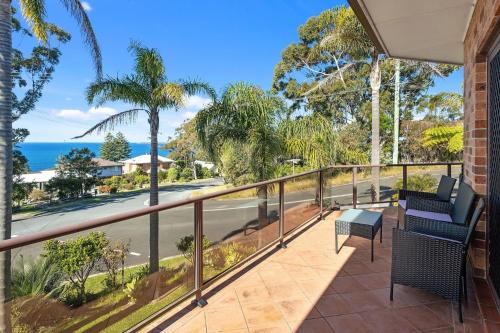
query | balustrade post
[448, 167]
[198, 253]
[282, 214]
[321, 194]
[405, 177]
[354, 186]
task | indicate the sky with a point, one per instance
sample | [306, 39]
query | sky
[218, 42]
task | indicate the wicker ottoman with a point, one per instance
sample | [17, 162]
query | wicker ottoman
[358, 222]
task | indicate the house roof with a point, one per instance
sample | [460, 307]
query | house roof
[431, 30]
[101, 162]
[38, 177]
[146, 159]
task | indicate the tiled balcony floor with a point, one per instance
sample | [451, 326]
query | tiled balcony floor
[308, 288]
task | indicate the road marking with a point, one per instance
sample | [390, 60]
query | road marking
[135, 254]
[14, 236]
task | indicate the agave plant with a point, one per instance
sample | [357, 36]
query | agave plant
[35, 277]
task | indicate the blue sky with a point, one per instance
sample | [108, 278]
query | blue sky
[215, 41]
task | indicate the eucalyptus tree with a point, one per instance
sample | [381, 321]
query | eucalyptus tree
[149, 92]
[34, 12]
[248, 117]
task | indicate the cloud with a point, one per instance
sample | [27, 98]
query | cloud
[86, 6]
[93, 113]
[189, 114]
[196, 102]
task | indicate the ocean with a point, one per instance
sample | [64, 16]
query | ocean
[43, 155]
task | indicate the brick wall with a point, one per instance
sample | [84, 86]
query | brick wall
[482, 29]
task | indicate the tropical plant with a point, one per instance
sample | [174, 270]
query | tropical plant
[247, 115]
[77, 258]
[148, 90]
[185, 245]
[172, 174]
[34, 12]
[447, 138]
[114, 256]
[35, 277]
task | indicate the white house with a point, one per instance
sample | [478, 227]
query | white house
[204, 164]
[144, 162]
[39, 179]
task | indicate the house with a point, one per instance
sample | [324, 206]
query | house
[108, 168]
[204, 164]
[144, 162]
[39, 179]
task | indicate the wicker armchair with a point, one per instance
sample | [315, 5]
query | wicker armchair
[431, 255]
[444, 191]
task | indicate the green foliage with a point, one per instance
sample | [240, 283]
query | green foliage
[185, 245]
[235, 252]
[77, 173]
[172, 174]
[37, 195]
[77, 258]
[447, 138]
[114, 256]
[244, 115]
[115, 148]
[140, 179]
[130, 289]
[184, 146]
[33, 278]
[444, 106]
[186, 174]
[206, 173]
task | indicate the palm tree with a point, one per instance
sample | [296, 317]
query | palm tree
[34, 12]
[148, 90]
[245, 115]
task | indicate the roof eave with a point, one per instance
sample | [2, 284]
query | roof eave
[367, 23]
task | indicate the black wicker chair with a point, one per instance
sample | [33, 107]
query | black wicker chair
[443, 193]
[431, 255]
[457, 212]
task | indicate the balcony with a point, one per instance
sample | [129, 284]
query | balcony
[306, 287]
[226, 252]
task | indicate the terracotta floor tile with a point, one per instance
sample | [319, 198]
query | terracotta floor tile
[346, 284]
[491, 313]
[318, 325]
[225, 319]
[356, 268]
[422, 318]
[194, 325]
[285, 291]
[374, 280]
[492, 327]
[362, 301]
[315, 288]
[298, 309]
[349, 323]
[253, 294]
[386, 321]
[262, 315]
[331, 305]
[283, 328]
[299, 273]
[401, 299]
[223, 298]
[472, 326]
[443, 310]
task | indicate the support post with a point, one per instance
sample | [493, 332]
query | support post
[448, 167]
[198, 253]
[321, 194]
[354, 186]
[282, 214]
[405, 177]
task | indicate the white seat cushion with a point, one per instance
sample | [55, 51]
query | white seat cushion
[402, 203]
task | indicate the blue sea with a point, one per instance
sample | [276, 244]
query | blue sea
[43, 155]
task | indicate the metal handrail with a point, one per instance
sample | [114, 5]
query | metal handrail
[40, 236]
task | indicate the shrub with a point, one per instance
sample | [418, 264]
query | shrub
[38, 195]
[206, 173]
[141, 180]
[114, 256]
[422, 183]
[104, 189]
[186, 174]
[235, 252]
[186, 246]
[162, 176]
[172, 174]
[113, 190]
[77, 258]
[31, 278]
[128, 186]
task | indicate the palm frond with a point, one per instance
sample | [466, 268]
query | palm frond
[192, 87]
[125, 89]
[34, 13]
[75, 8]
[148, 64]
[169, 94]
[124, 117]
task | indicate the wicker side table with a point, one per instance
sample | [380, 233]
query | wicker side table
[358, 222]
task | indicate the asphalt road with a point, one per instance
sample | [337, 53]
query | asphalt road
[221, 217]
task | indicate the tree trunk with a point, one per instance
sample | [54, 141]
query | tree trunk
[5, 158]
[262, 206]
[375, 86]
[153, 194]
[395, 147]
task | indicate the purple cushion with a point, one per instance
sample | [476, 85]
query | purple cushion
[429, 215]
[402, 203]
